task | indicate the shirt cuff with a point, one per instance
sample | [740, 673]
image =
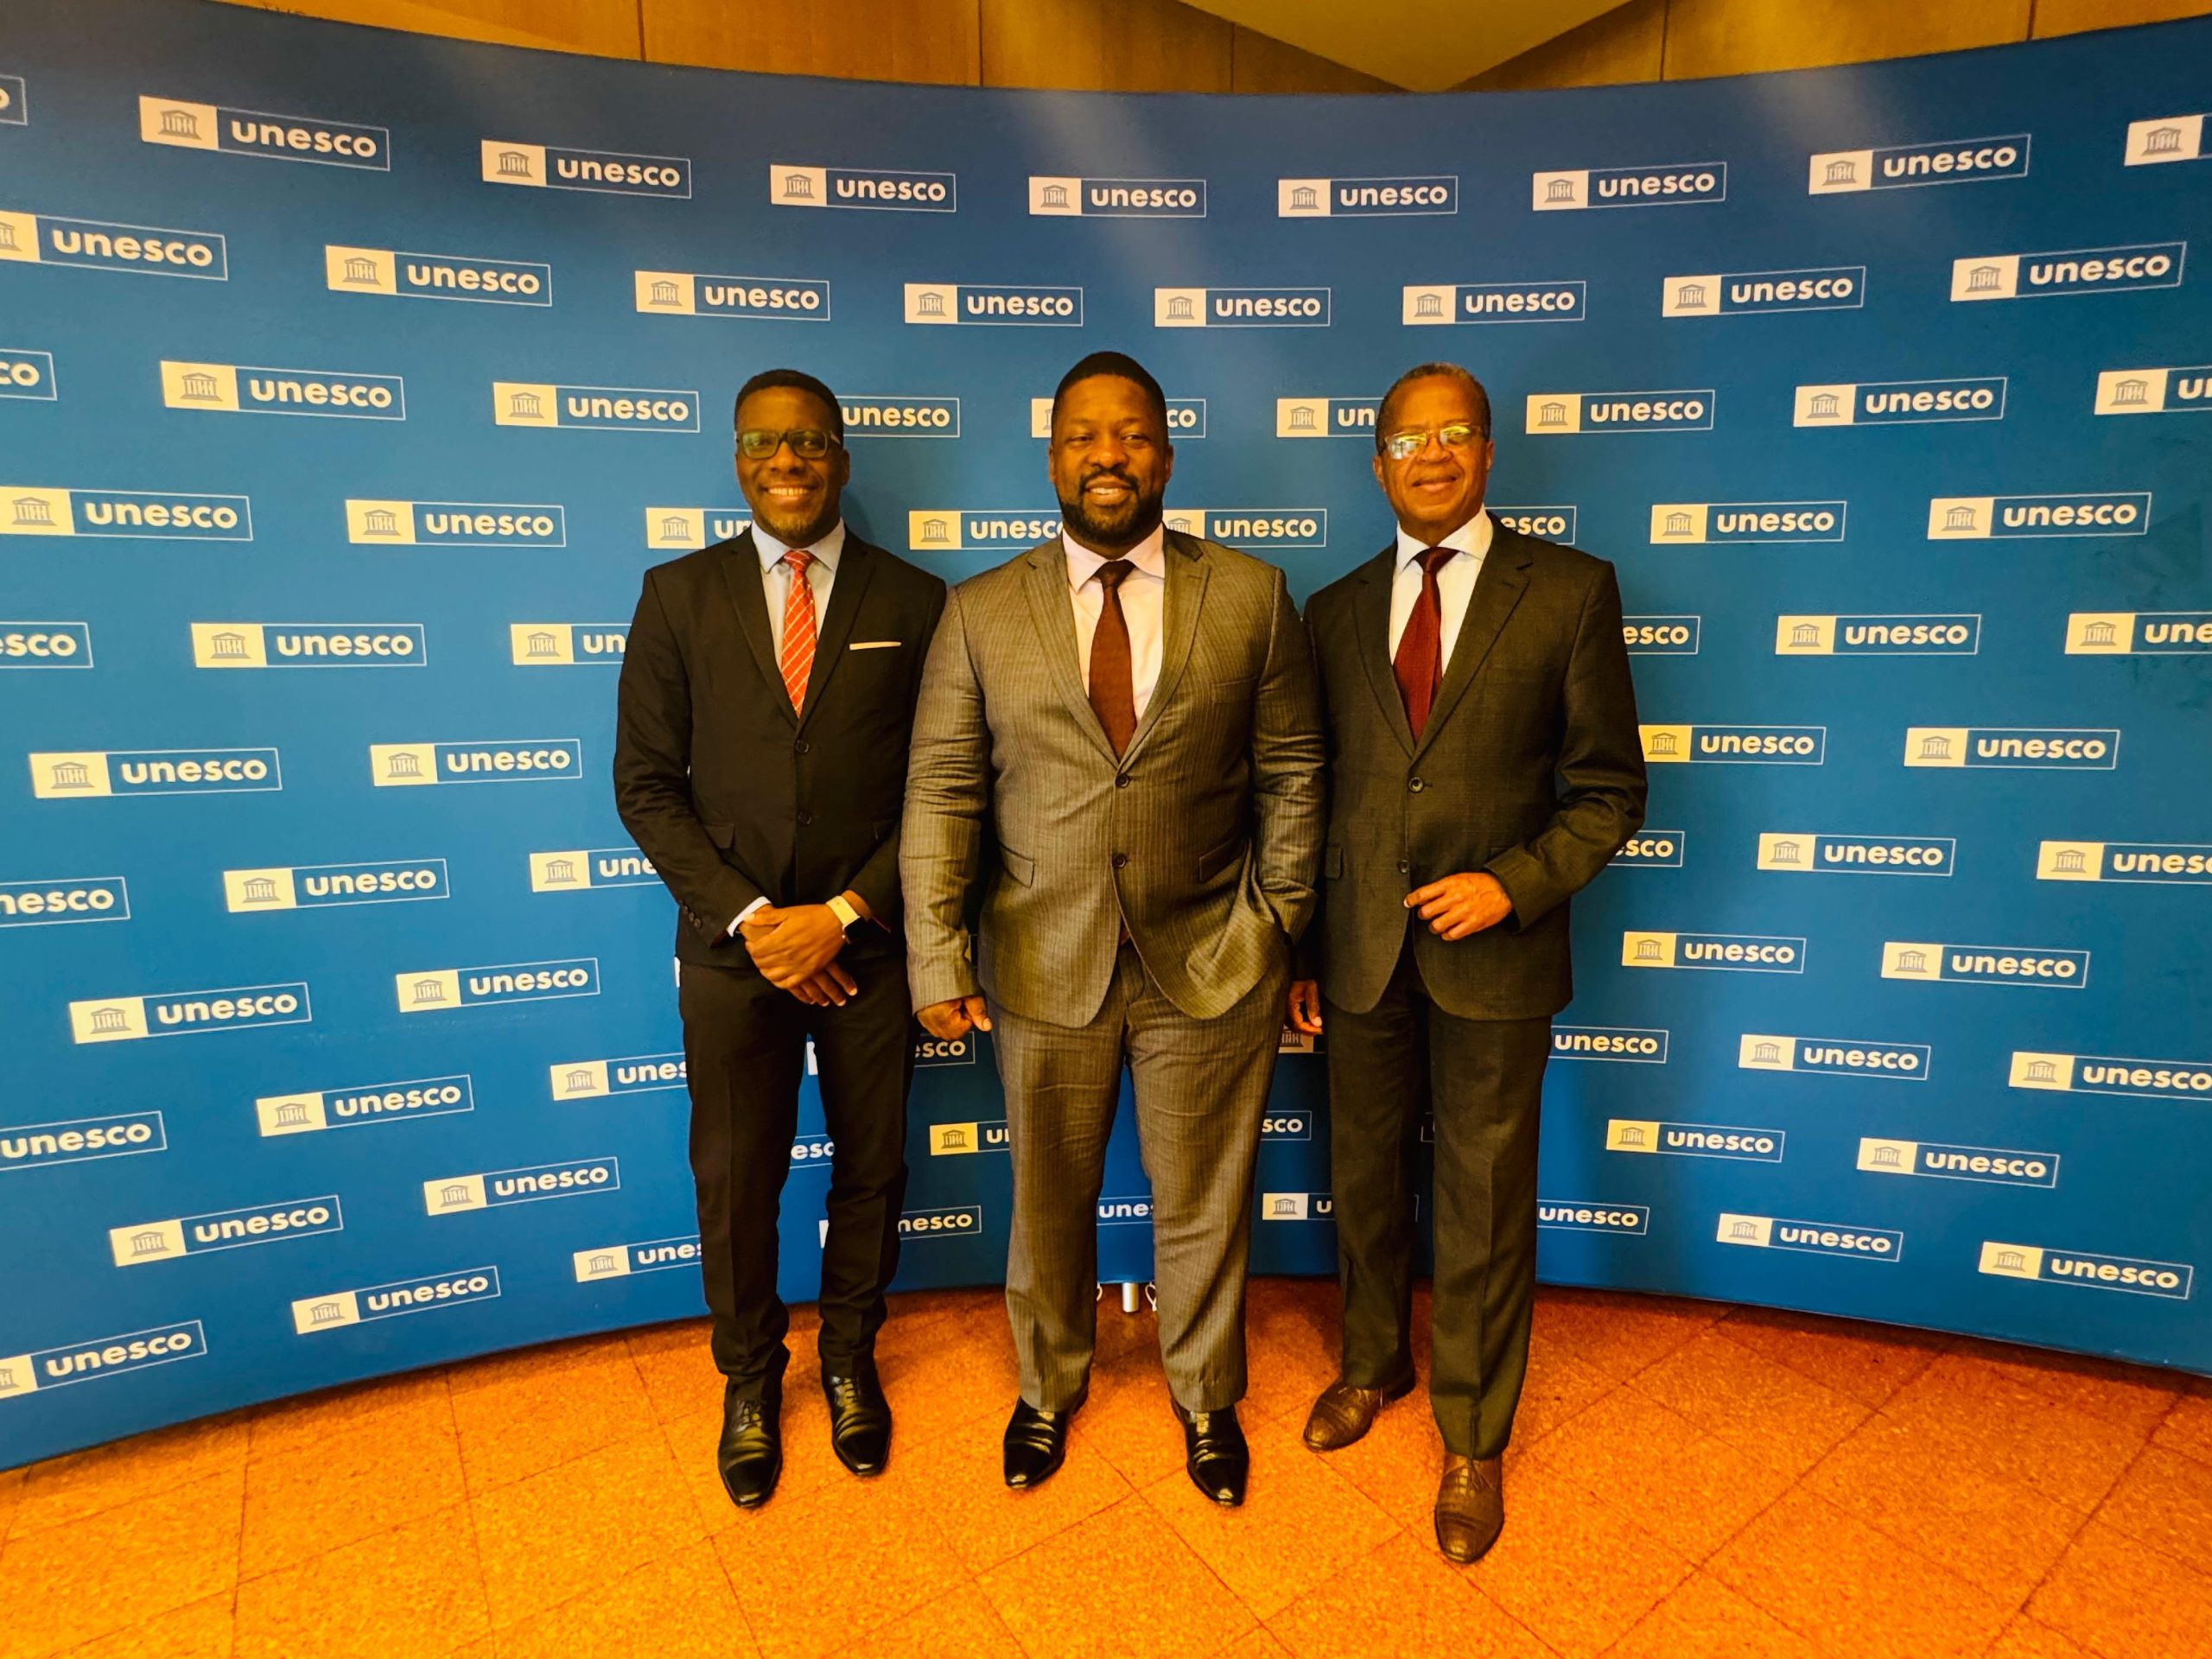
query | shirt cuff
[746, 915]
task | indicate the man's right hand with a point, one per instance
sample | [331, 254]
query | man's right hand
[832, 986]
[948, 1021]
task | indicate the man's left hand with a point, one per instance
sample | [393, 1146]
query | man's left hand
[792, 942]
[1461, 905]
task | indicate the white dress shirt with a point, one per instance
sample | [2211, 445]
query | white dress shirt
[776, 576]
[1455, 582]
[776, 588]
[1144, 603]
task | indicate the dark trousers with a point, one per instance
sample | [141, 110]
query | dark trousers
[1483, 1080]
[744, 1050]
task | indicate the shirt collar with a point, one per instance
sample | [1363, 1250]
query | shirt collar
[1149, 556]
[825, 552]
[1472, 538]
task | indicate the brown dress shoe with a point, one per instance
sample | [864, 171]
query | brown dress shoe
[1469, 1507]
[1344, 1413]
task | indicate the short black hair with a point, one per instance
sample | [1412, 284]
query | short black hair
[797, 380]
[1430, 372]
[1121, 367]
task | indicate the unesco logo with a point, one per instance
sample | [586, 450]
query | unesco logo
[2103, 1074]
[1839, 1057]
[45, 645]
[1996, 1165]
[604, 171]
[80, 1140]
[362, 1104]
[1553, 413]
[2189, 862]
[309, 645]
[1740, 953]
[2038, 966]
[1436, 304]
[336, 1309]
[1052, 196]
[2069, 270]
[1324, 418]
[2149, 143]
[1727, 293]
[1654, 849]
[649, 1256]
[687, 293]
[584, 868]
[531, 1183]
[2133, 1275]
[230, 388]
[1800, 852]
[994, 305]
[899, 416]
[1897, 167]
[689, 529]
[1651, 1137]
[1633, 1044]
[305, 887]
[99, 1357]
[1931, 635]
[97, 244]
[2181, 390]
[1767, 746]
[149, 1242]
[1581, 1215]
[1885, 403]
[2088, 633]
[1692, 522]
[438, 990]
[1821, 1238]
[1662, 636]
[26, 373]
[1667, 184]
[58, 775]
[635, 1074]
[1552, 523]
[1414, 192]
[27, 509]
[1259, 527]
[455, 524]
[1982, 517]
[2094, 748]
[49, 901]
[188, 1013]
[400, 275]
[884, 190]
[517, 760]
[567, 645]
[599, 409]
[258, 132]
[1240, 307]
[952, 529]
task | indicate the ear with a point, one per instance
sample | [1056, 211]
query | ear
[1382, 481]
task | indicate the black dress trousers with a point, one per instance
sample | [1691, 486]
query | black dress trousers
[745, 1051]
[1483, 1081]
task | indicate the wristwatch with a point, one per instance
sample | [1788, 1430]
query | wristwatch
[841, 908]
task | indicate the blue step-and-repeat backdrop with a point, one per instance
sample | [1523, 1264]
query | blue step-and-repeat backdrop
[349, 379]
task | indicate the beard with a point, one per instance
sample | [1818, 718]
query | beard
[801, 528]
[1124, 525]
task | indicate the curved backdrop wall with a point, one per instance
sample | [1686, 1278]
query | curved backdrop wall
[348, 379]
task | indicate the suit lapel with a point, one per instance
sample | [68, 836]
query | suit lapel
[1504, 578]
[1187, 570]
[1370, 618]
[741, 580]
[1053, 611]
[855, 564]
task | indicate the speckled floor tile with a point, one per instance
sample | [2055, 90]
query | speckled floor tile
[1705, 1619]
[416, 1589]
[2134, 1396]
[2025, 1638]
[2125, 1601]
[1978, 1415]
[1785, 1419]
[313, 1419]
[85, 1483]
[960, 1624]
[369, 1479]
[1401, 1598]
[678, 1607]
[1866, 1363]
[1620, 1334]
[985, 1524]
[532, 1417]
[2187, 1428]
[2165, 1500]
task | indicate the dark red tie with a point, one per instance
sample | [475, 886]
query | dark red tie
[1420, 662]
[1113, 690]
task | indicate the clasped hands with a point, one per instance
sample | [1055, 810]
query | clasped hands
[1454, 907]
[795, 946]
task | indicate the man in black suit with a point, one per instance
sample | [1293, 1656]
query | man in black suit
[767, 700]
[1484, 765]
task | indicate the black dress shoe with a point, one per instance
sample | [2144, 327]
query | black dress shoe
[750, 1455]
[860, 1422]
[1215, 1453]
[1036, 1445]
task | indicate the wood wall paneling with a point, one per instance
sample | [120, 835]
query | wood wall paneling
[1260, 63]
[1127, 45]
[925, 41]
[1736, 37]
[1622, 46]
[606, 29]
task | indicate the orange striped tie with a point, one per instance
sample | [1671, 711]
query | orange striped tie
[797, 658]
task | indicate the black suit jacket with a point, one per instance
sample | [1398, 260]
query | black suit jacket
[1530, 768]
[732, 794]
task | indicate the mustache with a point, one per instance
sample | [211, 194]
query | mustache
[1113, 472]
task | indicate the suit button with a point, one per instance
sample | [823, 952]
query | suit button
[1120, 860]
[1416, 784]
[805, 818]
[1404, 867]
[799, 747]
[1122, 781]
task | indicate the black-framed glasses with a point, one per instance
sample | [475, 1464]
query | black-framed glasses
[1404, 445]
[807, 442]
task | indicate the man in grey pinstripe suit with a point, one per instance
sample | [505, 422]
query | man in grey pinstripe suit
[1118, 747]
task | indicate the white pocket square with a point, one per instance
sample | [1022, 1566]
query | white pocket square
[875, 644]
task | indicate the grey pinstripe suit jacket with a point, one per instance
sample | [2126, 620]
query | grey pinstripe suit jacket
[1206, 837]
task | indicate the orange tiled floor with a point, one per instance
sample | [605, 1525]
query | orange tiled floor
[1686, 1479]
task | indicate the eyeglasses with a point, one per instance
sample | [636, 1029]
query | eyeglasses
[807, 442]
[1404, 445]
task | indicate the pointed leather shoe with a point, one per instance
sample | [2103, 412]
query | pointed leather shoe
[1345, 1413]
[1036, 1445]
[1470, 1508]
[860, 1422]
[1214, 1454]
[751, 1455]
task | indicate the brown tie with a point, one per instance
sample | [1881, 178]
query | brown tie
[1113, 694]
[1420, 662]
